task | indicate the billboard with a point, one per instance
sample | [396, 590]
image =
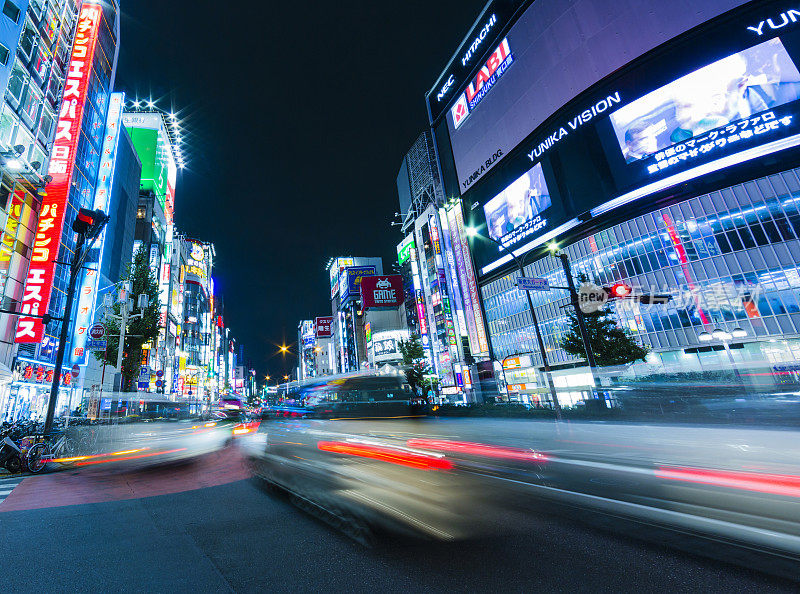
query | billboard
[323, 326]
[386, 345]
[404, 249]
[726, 95]
[381, 291]
[159, 171]
[558, 51]
[484, 32]
[350, 280]
[337, 265]
[720, 95]
[88, 290]
[39, 282]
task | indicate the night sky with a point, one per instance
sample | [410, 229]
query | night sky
[297, 118]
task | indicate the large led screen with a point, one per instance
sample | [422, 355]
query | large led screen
[667, 126]
[559, 49]
[717, 97]
[517, 211]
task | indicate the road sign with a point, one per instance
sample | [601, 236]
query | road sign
[533, 284]
[97, 331]
[76, 370]
[591, 297]
[160, 373]
[144, 372]
[159, 383]
[97, 345]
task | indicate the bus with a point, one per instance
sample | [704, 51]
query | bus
[352, 396]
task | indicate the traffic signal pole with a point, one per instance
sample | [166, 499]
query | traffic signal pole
[74, 269]
[545, 363]
[587, 346]
[87, 225]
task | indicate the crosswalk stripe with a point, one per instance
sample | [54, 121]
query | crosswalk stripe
[6, 492]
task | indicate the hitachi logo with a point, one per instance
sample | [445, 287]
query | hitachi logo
[790, 16]
[478, 40]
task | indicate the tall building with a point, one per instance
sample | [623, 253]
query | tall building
[434, 299]
[667, 159]
[86, 64]
[155, 135]
[196, 358]
[348, 319]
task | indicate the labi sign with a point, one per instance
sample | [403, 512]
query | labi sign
[381, 291]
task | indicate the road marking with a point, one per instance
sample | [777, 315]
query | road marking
[6, 487]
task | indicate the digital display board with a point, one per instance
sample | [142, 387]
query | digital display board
[726, 94]
[555, 51]
[718, 96]
[519, 209]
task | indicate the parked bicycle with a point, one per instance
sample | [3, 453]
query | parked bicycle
[57, 446]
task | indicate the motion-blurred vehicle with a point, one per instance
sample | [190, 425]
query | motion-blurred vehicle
[352, 396]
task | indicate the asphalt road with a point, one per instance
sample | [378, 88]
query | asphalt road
[202, 528]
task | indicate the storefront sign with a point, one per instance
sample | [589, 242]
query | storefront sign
[88, 291]
[323, 326]
[39, 283]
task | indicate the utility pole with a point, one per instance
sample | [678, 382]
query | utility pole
[125, 315]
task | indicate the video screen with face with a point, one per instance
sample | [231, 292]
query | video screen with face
[727, 91]
[519, 204]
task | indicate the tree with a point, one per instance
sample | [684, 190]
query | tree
[611, 344]
[140, 330]
[414, 361]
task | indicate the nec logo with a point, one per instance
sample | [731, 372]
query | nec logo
[440, 95]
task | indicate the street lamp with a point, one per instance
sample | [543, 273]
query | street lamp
[725, 337]
[473, 232]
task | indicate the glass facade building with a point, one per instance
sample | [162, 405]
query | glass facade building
[728, 259]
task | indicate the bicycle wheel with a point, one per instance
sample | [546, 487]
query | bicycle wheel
[36, 457]
[70, 450]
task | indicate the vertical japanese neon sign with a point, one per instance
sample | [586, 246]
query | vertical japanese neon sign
[102, 195]
[39, 282]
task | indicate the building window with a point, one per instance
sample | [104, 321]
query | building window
[17, 82]
[4, 53]
[47, 122]
[11, 11]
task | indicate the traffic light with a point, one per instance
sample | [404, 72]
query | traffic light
[618, 291]
[89, 222]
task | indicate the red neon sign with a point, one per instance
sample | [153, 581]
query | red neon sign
[39, 282]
